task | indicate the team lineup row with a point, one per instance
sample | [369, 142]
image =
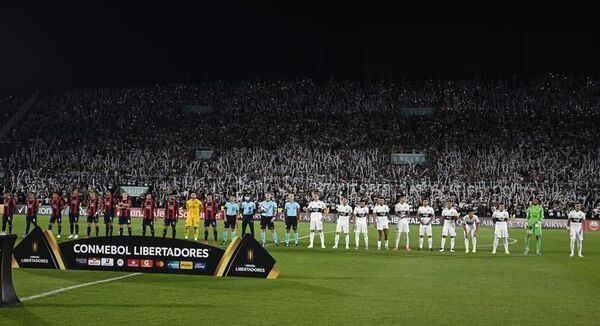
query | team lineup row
[233, 211]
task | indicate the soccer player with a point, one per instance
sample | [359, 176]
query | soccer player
[124, 210]
[171, 215]
[471, 227]
[248, 210]
[232, 213]
[74, 203]
[500, 219]
[402, 211]
[576, 226]
[211, 208]
[291, 209]
[361, 212]
[193, 207]
[449, 215]
[316, 208]
[148, 214]
[426, 216]
[56, 206]
[32, 206]
[534, 216]
[93, 203]
[9, 209]
[267, 218]
[343, 222]
[108, 210]
[381, 212]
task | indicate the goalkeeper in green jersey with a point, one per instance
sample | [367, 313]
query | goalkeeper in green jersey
[535, 216]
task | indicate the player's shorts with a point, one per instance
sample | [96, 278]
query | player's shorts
[470, 232]
[230, 221]
[533, 230]
[124, 220]
[267, 222]
[316, 224]
[248, 218]
[212, 223]
[576, 231]
[382, 224]
[291, 222]
[449, 229]
[7, 219]
[73, 217]
[55, 219]
[361, 225]
[32, 219]
[403, 225]
[108, 218]
[170, 222]
[342, 227]
[148, 221]
[425, 230]
[92, 219]
[501, 231]
[192, 221]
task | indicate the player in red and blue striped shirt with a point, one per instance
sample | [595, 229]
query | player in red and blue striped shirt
[9, 209]
[148, 212]
[93, 204]
[171, 215]
[56, 206]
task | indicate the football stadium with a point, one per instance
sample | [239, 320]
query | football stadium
[293, 163]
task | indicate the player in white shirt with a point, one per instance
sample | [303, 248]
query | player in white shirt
[316, 208]
[343, 222]
[500, 219]
[381, 212]
[449, 215]
[576, 226]
[471, 227]
[402, 212]
[426, 216]
[361, 213]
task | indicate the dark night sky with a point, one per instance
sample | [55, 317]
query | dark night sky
[74, 44]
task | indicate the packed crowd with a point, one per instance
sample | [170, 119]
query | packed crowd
[487, 142]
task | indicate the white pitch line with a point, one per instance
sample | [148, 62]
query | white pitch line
[45, 294]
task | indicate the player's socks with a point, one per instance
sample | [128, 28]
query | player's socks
[572, 246]
[121, 231]
[347, 240]
[312, 239]
[224, 236]
[495, 245]
[466, 245]
[232, 234]
[322, 236]
[337, 240]
[430, 242]
[420, 243]
[174, 232]
[129, 231]
[407, 241]
[287, 238]
[215, 234]
[89, 230]
[296, 238]
[506, 245]
[3, 227]
[152, 230]
[443, 244]
[10, 230]
[110, 230]
[366, 236]
[397, 239]
[186, 232]
[580, 247]
[71, 228]
[263, 237]
[356, 239]
[59, 229]
[527, 244]
[474, 244]
[164, 233]
[97, 230]
[106, 230]
[275, 237]
[387, 244]
[196, 233]
[27, 227]
[378, 244]
[538, 245]
[76, 229]
[144, 230]
[452, 244]
[205, 235]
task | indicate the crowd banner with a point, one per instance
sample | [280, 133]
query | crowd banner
[132, 191]
[244, 257]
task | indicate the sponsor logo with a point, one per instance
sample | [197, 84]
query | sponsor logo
[34, 260]
[186, 265]
[133, 263]
[159, 263]
[250, 268]
[120, 262]
[81, 260]
[146, 263]
[173, 264]
[250, 255]
[200, 265]
[94, 261]
[108, 262]
[34, 247]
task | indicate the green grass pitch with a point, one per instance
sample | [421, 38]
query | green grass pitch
[327, 286]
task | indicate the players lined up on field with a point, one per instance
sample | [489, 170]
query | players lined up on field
[234, 211]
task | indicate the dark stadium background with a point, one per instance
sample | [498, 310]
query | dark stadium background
[66, 45]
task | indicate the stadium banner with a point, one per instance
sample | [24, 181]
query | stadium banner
[204, 153]
[399, 158]
[243, 257]
[132, 191]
